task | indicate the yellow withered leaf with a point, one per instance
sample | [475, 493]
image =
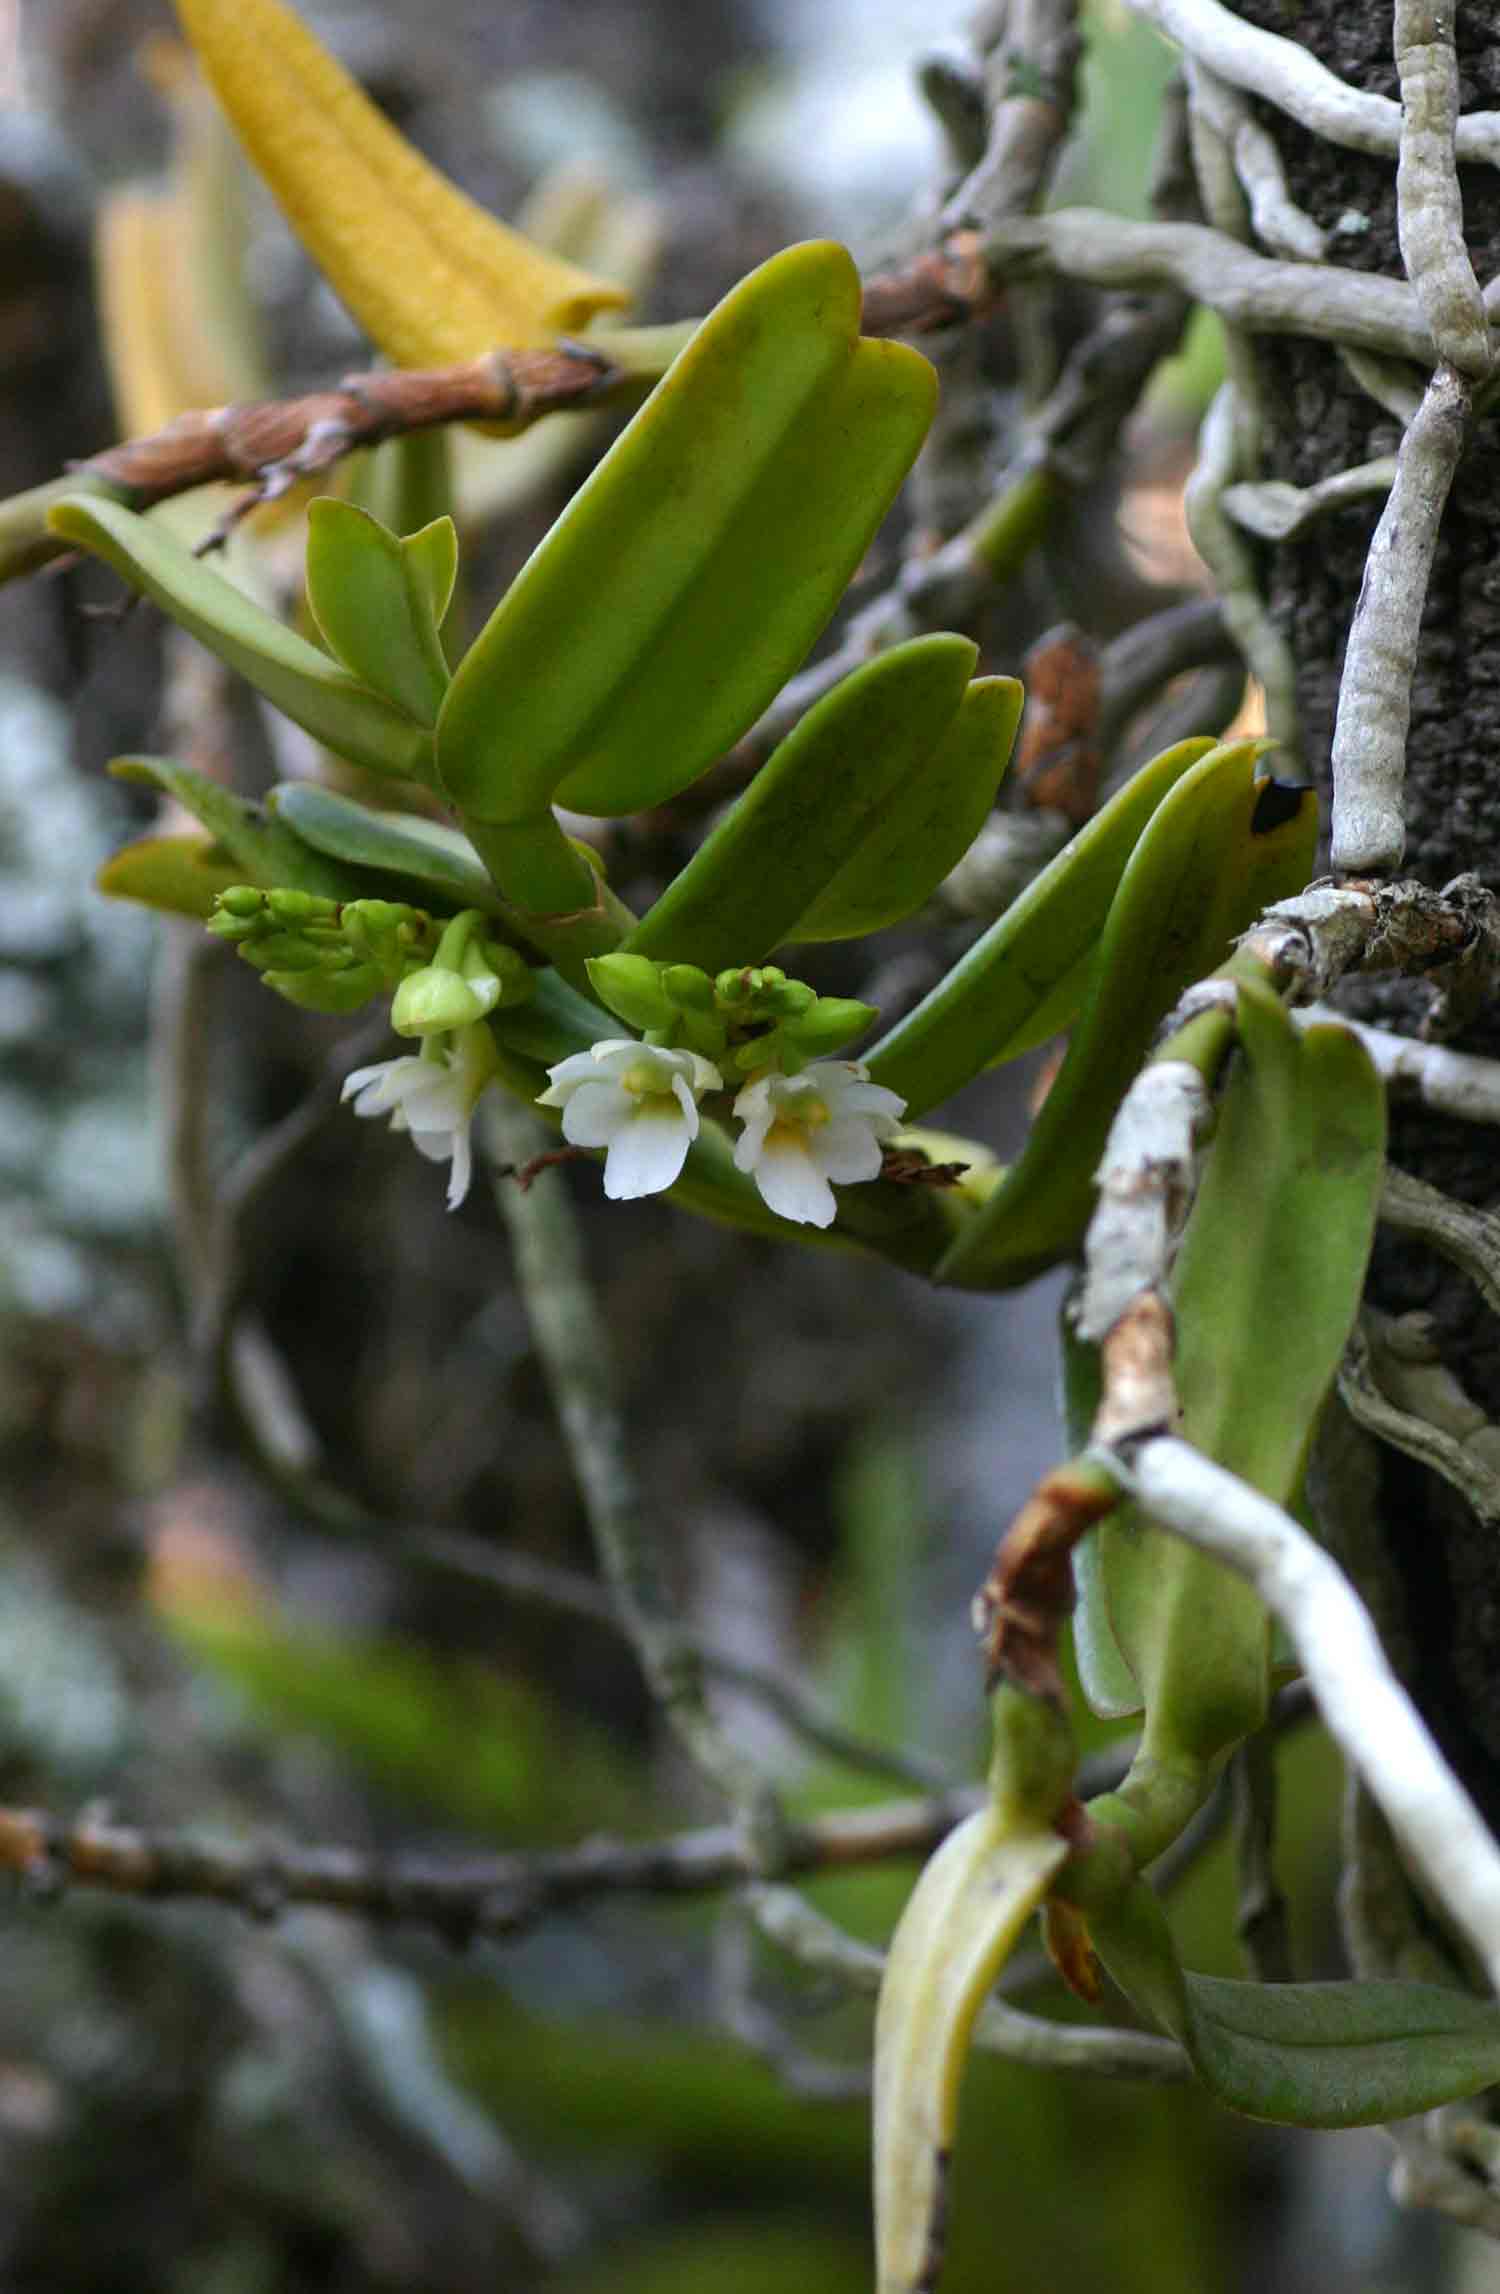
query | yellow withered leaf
[429, 275]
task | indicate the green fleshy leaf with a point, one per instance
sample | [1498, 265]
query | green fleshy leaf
[693, 570]
[1304, 2054]
[440, 860]
[301, 681]
[1265, 1291]
[928, 827]
[374, 595]
[828, 786]
[181, 875]
[266, 853]
[1201, 874]
[1038, 952]
[392, 843]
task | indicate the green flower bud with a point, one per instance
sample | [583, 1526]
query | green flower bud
[435, 1000]
[297, 909]
[332, 993]
[830, 1022]
[785, 999]
[238, 900]
[688, 988]
[387, 931]
[632, 988]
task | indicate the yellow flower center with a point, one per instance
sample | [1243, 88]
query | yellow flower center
[795, 1119]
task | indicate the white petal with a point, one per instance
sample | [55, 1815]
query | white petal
[753, 1100]
[846, 1150]
[566, 1077]
[872, 1099]
[439, 1105]
[689, 1105]
[384, 1085]
[648, 1154]
[437, 1146]
[463, 1168]
[751, 1141]
[596, 1114]
[790, 1185]
[705, 1076]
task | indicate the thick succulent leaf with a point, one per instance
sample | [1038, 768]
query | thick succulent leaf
[1222, 845]
[430, 554]
[182, 875]
[264, 852]
[832, 783]
[439, 861]
[300, 679]
[393, 843]
[1340, 2054]
[373, 594]
[694, 568]
[1265, 1290]
[929, 825]
[1043, 941]
[961, 1922]
[429, 275]
[1304, 2054]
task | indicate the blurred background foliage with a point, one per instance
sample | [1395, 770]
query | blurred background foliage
[634, 2096]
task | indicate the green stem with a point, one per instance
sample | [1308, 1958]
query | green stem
[1005, 533]
[26, 541]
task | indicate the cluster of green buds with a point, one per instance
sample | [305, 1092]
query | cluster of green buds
[332, 956]
[744, 1019]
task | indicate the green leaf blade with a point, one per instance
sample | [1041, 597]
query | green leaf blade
[373, 602]
[1047, 936]
[1201, 874]
[928, 826]
[300, 680]
[829, 783]
[693, 570]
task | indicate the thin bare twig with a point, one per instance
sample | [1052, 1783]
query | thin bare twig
[458, 1896]
[817, 1943]
[575, 1352]
[578, 1596]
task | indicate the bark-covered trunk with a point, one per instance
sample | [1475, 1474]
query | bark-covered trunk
[1317, 420]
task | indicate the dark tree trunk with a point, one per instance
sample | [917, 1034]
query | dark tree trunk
[1317, 421]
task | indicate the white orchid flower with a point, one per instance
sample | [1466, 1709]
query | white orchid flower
[432, 1095]
[827, 1123]
[637, 1100]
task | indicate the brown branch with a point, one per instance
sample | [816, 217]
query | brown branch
[462, 1897]
[459, 1897]
[275, 441]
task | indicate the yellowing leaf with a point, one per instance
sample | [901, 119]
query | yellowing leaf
[429, 275]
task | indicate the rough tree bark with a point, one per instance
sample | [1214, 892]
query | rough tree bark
[1317, 420]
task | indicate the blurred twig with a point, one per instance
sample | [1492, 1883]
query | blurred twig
[574, 1347]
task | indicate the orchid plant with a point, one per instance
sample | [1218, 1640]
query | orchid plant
[662, 616]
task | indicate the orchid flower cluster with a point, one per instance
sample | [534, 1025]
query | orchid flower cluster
[807, 1122]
